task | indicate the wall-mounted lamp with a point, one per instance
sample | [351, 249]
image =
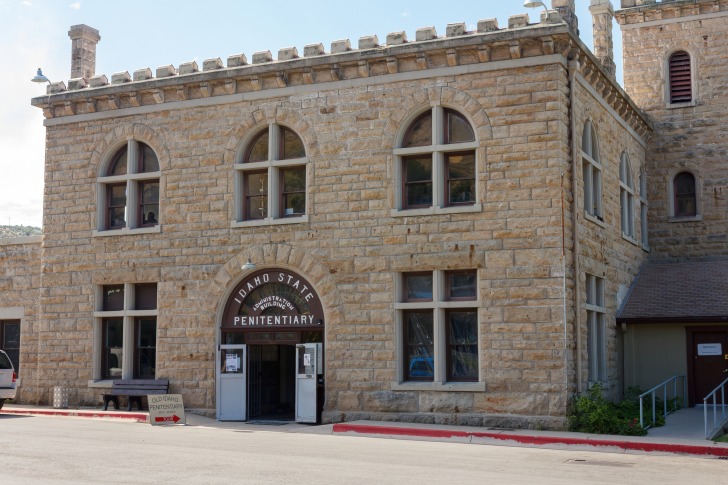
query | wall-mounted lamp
[248, 266]
[40, 78]
[534, 4]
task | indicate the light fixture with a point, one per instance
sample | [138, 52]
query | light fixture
[534, 4]
[248, 266]
[40, 78]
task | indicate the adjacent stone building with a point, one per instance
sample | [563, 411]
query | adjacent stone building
[438, 229]
[674, 322]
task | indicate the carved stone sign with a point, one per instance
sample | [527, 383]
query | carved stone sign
[273, 298]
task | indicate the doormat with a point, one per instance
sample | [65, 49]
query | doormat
[270, 423]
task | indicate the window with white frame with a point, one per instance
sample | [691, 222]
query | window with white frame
[128, 189]
[126, 331]
[592, 169]
[626, 196]
[596, 328]
[438, 318]
[643, 208]
[436, 162]
[270, 177]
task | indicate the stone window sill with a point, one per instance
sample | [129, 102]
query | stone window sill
[271, 222]
[630, 239]
[430, 211]
[128, 232]
[686, 104]
[439, 386]
[697, 218]
[595, 220]
[102, 384]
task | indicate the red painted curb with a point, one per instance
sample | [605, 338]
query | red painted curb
[532, 440]
[138, 417]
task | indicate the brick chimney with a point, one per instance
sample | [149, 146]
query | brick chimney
[83, 51]
[567, 10]
[602, 17]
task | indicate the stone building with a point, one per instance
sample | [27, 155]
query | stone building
[674, 321]
[440, 229]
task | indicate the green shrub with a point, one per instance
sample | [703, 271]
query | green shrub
[593, 413]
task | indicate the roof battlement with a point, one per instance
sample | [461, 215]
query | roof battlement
[397, 55]
[640, 11]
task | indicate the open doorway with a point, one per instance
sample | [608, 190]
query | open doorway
[272, 382]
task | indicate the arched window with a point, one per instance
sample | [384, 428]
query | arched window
[271, 177]
[643, 209]
[592, 169]
[684, 195]
[436, 161]
[626, 196]
[680, 78]
[129, 189]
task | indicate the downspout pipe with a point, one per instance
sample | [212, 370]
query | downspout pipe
[573, 67]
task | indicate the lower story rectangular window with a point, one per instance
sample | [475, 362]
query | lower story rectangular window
[420, 340]
[438, 324]
[113, 347]
[462, 345]
[10, 341]
[145, 352]
[596, 328]
[125, 343]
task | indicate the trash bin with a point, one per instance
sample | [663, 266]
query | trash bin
[60, 397]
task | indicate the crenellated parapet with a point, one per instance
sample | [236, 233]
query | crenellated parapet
[641, 11]
[397, 55]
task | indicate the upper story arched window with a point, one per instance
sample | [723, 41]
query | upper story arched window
[436, 162]
[684, 195]
[644, 209]
[626, 196]
[680, 82]
[128, 195]
[270, 177]
[592, 173]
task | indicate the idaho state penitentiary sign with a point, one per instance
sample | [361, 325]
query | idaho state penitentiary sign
[166, 409]
[273, 298]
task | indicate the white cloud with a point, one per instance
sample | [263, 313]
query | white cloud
[75, 5]
[405, 13]
[27, 3]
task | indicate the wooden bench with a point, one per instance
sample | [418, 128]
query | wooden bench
[134, 389]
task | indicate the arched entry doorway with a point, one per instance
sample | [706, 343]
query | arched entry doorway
[270, 358]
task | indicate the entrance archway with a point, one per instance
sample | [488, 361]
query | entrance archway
[270, 363]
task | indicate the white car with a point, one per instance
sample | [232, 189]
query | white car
[8, 378]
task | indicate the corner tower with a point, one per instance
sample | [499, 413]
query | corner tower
[676, 70]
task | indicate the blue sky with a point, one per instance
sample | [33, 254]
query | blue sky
[151, 33]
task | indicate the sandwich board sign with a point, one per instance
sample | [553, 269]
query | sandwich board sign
[166, 409]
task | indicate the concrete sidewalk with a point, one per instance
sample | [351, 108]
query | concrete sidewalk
[459, 434]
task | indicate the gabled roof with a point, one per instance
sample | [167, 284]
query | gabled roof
[678, 292]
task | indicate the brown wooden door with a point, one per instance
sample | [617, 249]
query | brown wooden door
[708, 354]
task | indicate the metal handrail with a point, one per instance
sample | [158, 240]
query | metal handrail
[653, 391]
[714, 393]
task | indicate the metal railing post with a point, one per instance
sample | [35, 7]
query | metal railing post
[642, 421]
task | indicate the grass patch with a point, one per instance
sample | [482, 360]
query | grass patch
[722, 439]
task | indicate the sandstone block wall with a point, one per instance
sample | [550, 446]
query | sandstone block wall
[603, 251]
[20, 260]
[689, 137]
[351, 238]
[532, 328]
